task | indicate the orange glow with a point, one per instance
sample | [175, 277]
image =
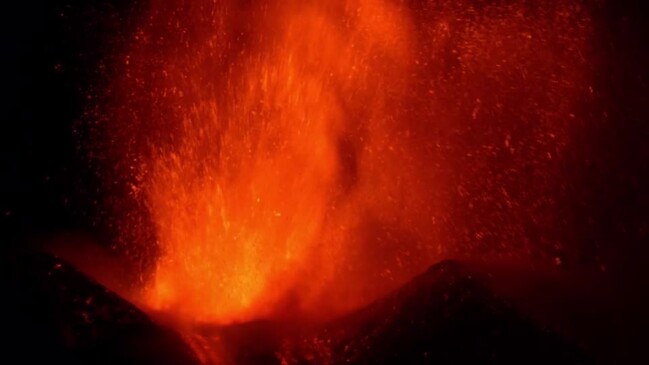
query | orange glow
[247, 199]
[302, 157]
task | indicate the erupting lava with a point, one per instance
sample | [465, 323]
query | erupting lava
[252, 177]
[302, 156]
[248, 198]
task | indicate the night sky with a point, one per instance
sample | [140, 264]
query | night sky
[50, 52]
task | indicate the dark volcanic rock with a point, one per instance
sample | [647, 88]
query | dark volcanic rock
[444, 316]
[55, 314]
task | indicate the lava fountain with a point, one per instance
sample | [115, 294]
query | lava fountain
[258, 147]
[280, 158]
[249, 197]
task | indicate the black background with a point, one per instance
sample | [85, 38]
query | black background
[50, 56]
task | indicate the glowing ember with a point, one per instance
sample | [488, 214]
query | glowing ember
[306, 156]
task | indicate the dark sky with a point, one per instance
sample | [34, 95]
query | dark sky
[50, 50]
[24, 106]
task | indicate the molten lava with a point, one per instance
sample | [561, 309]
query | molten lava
[303, 157]
[254, 179]
[249, 198]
